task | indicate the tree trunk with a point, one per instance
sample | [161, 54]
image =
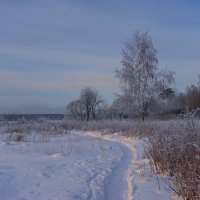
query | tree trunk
[142, 113]
[142, 116]
[93, 116]
[88, 117]
[88, 114]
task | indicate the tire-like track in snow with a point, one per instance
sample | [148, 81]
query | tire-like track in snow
[118, 184]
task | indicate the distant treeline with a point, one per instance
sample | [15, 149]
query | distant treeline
[15, 117]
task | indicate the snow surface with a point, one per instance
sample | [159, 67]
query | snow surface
[79, 165]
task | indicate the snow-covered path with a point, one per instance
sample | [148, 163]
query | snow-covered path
[116, 184]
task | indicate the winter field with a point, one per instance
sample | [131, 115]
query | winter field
[41, 160]
[46, 160]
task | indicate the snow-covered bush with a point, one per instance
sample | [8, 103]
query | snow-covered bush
[129, 128]
[175, 150]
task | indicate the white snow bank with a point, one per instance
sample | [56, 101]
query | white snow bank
[67, 167]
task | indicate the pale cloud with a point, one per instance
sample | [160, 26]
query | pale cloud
[78, 80]
[59, 57]
[74, 80]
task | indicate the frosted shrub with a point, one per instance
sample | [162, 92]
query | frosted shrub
[175, 151]
[125, 127]
[29, 131]
[18, 138]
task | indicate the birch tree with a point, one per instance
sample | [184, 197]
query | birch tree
[139, 75]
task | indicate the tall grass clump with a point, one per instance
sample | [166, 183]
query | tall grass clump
[174, 150]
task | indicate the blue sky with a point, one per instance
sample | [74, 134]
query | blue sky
[50, 49]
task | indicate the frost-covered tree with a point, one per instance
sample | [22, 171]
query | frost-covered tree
[139, 75]
[89, 103]
[86, 98]
[167, 103]
[193, 96]
[122, 107]
[167, 94]
[91, 99]
[97, 103]
[76, 109]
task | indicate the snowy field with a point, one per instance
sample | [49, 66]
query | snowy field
[77, 165]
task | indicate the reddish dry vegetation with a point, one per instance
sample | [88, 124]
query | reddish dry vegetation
[175, 151]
